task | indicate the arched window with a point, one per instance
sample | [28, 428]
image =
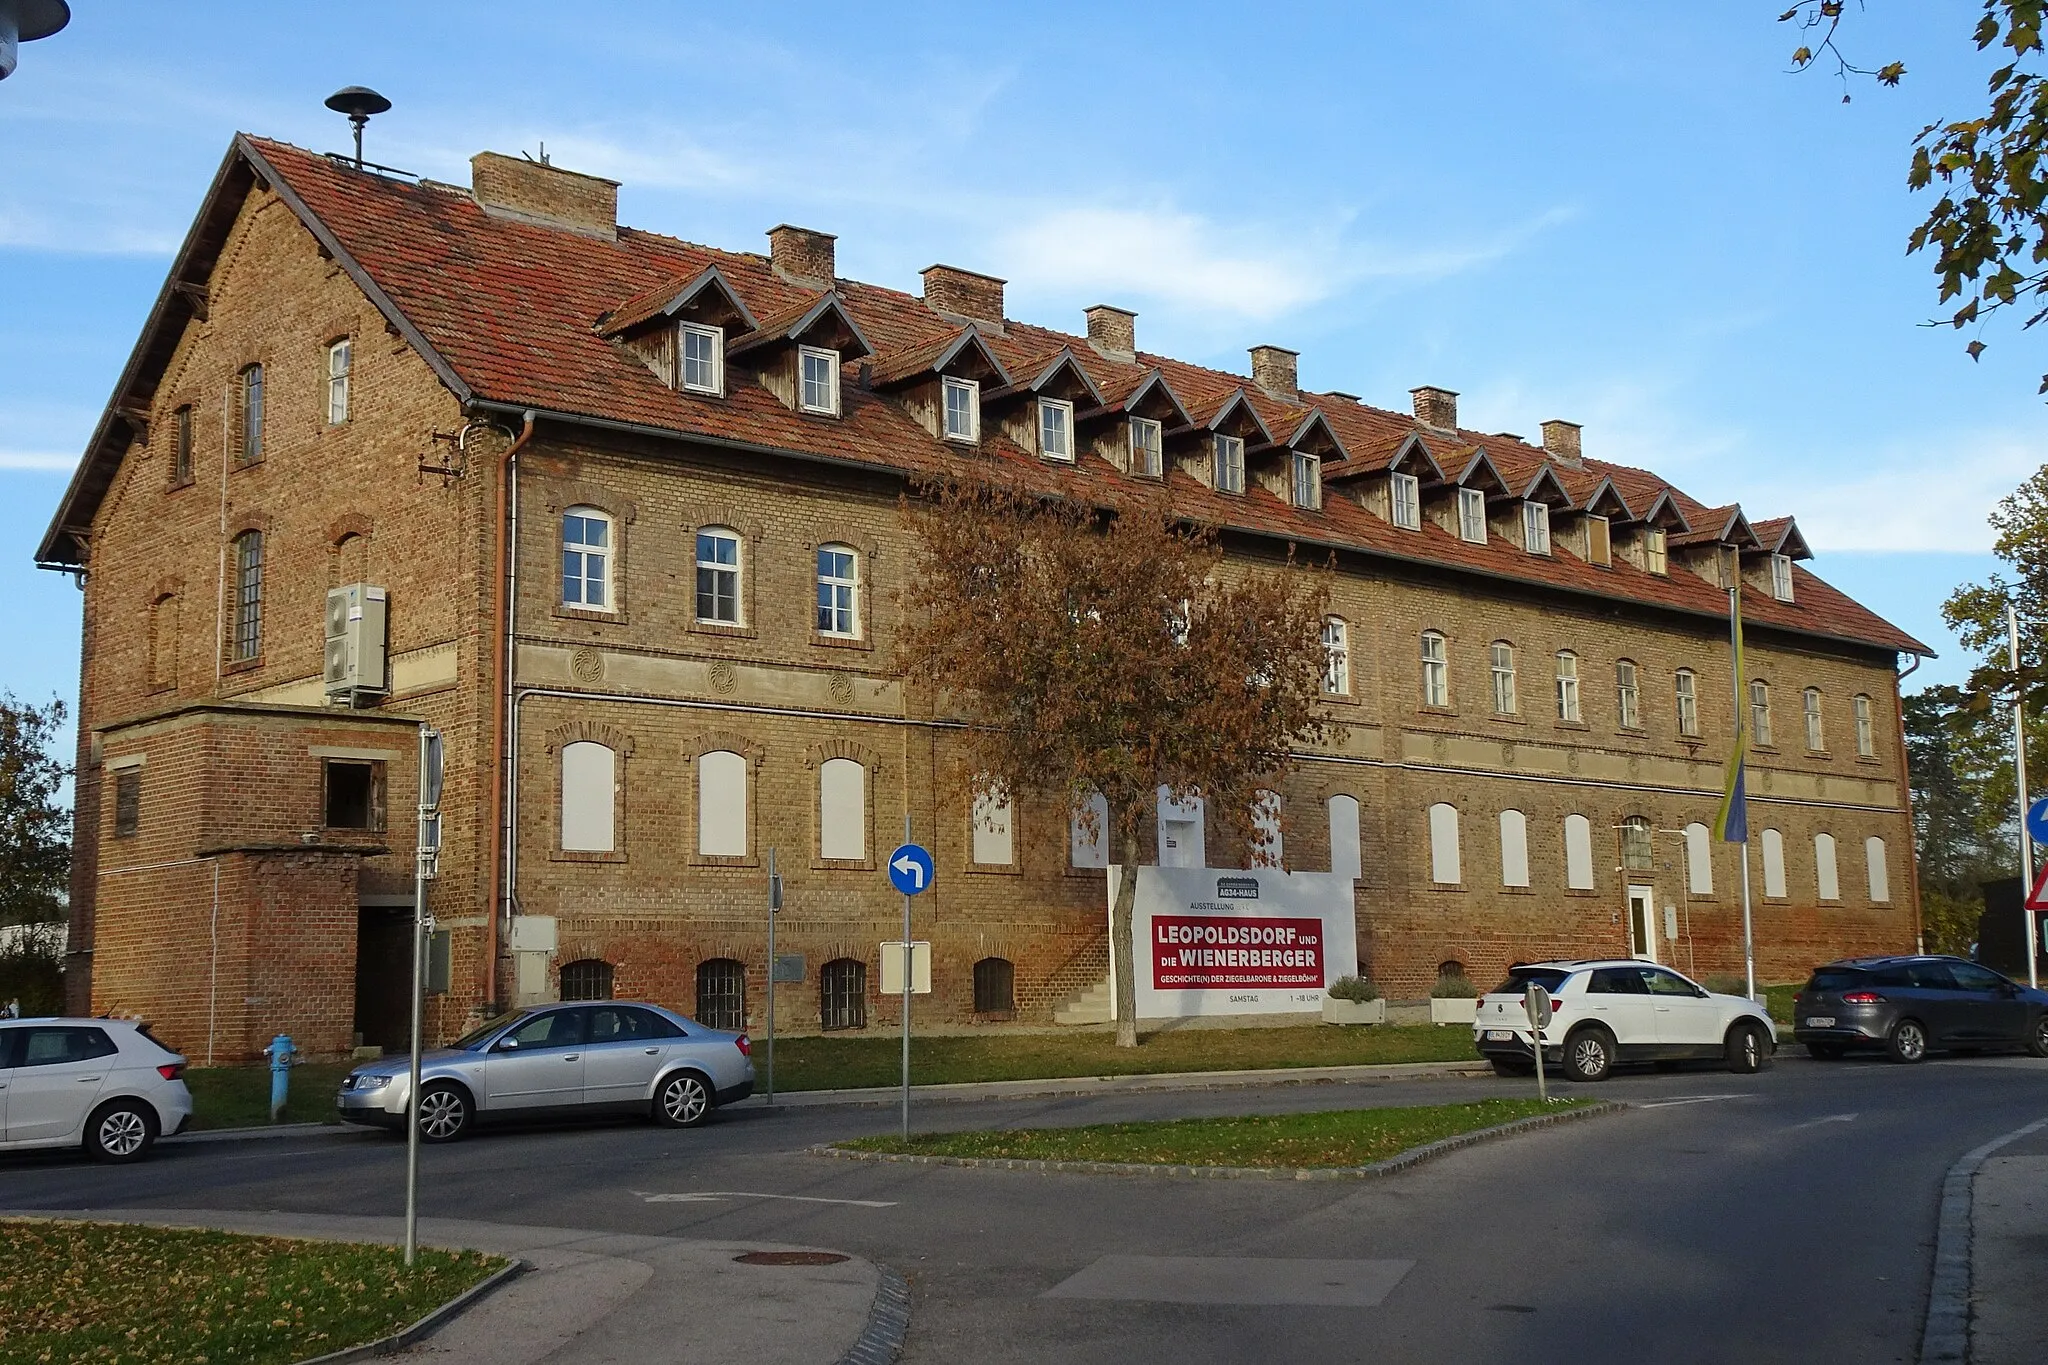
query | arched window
[1501, 658]
[163, 642]
[1267, 849]
[843, 994]
[586, 558]
[1578, 853]
[1445, 865]
[1345, 857]
[1436, 670]
[1183, 833]
[718, 576]
[587, 979]
[1086, 847]
[1567, 685]
[1760, 711]
[1699, 860]
[1874, 867]
[1774, 863]
[995, 844]
[589, 785]
[995, 986]
[1866, 737]
[842, 809]
[721, 805]
[1336, 656]
[1628, 695]
[1514, 848]
[246, 640]
[1810, 709]
[1638, 851]
[252, 415]
[838, 591]
[722, 994]
[1686, 689]
[1827, 883]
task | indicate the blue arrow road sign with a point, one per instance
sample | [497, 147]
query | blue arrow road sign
[910, 868]
[2037, 820]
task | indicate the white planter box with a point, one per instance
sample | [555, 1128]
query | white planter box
[1354, 1011]
[1443, 1011]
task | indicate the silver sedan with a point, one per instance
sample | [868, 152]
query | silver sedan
[585, 1058]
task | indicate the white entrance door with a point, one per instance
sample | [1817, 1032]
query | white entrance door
[1180, 832]
[1642, 923]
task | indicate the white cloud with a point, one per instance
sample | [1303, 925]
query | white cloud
[37, 461]
[1900, 502]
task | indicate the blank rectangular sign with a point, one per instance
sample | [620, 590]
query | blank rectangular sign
[920, 968]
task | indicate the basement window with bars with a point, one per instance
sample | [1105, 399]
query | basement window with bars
[843, 994]
[354, 794]
[722, 994]
[995, 986]
[587, 979]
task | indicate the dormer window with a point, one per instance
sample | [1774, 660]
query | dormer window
[1536, 528]
[1472, 515]
[1308, 480]
[963, 409]
[1056, 429]
[1229, 464]
[701, 362]
[1781, 577]
[1404, 495]
[1148, 447]
[820, 377]
[1599, 542]
[1656, 552]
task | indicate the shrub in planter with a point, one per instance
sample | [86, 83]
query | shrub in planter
[1357, 988]
[1455, 986]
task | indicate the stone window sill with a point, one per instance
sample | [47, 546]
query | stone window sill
[722, 860]
[720, 628]
[606, 615]
[242, 665]
[824, 641]
[582, 855]
[843, 864]
[994, 870]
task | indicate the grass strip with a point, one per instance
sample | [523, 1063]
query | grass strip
[1349, 1137]
[239, 1096]
[115, 1294]
[838, 1062]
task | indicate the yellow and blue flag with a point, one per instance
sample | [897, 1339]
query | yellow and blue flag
[1732, 824]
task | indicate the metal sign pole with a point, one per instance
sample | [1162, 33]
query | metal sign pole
[426, 830]
[1536, 1004]
[908, 954]
[2019, 769]
[774, 904]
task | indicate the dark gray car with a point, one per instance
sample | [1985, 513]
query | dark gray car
[1911, 1005]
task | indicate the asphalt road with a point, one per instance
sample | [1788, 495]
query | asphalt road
[1783, 1216]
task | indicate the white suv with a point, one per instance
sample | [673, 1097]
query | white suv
[1619, 1010]
[103, 1084]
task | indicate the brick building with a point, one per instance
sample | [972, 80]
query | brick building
[621, 516]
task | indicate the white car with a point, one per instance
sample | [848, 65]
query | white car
[103, 1084]
[1619, 1010]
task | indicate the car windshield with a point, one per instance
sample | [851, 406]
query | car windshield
[1520, 979]
[1836, 979]
[472, 1040]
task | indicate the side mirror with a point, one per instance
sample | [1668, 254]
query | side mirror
[506, 1045]
[1701, 992]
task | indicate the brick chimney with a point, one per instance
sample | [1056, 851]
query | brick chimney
[964, 293]
[1561, 442]
[1113, 332]
[1273, 371]
[1435, 407]
[535, 192]
[801, 255]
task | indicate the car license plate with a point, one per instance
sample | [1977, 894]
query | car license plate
[1820, 1021]
[1500, 1035]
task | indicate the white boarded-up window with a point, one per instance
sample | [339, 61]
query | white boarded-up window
[1827, 882]
[722, 805]
[1445, 866]
[1874, 866]
[1699, 860]
[993, 844]
[1345, 857]
[1267, 850]
[1774, 863]
[1578, 853]
[1090, 848]
[1182, 839]
[1514, 848]
[842, 809]
[589, 779]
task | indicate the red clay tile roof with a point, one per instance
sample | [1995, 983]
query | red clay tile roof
[508, 312]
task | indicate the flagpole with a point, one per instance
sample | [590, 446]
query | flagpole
[1735, 669]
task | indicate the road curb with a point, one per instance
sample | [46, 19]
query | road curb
[1393, 1165]
[426, 1326]
[1053, 1086]
[881, 1341]
[1945, 1334]
[282, 1130]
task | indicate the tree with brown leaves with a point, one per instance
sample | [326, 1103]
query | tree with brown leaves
[1116, 653]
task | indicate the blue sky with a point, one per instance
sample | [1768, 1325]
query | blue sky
[1627, 216]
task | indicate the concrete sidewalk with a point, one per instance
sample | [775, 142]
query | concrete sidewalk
[594, 1298]
[2009, 1261]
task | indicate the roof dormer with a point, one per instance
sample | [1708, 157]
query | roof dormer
[1130, 431]
[941, 382]
[1589, 529]
[1039, 413]
[680, 329]
[798, 353]
[1216, 454]
[1769, 566]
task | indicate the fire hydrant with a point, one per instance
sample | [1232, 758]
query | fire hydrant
[281, 1053]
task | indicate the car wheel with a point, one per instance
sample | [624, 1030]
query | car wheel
[684, 1101]
[2037, 1036]
[1747, 1050]
[1826, 1052]
[1509, 1066]
[1908, 1041]
[444, 1113]
[1589, 1055]
[122, 1131]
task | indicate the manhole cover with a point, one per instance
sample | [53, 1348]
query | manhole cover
[789, 1258]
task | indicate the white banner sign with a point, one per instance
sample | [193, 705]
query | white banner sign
[1209, 940]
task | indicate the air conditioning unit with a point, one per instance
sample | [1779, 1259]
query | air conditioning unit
[355, 643]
